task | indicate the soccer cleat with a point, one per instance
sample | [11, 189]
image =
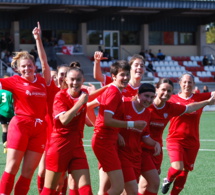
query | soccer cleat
[165, 186]
[5, 147]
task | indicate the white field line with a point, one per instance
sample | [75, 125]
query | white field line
[164, 148]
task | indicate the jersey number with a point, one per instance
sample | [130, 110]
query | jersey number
[4, 97]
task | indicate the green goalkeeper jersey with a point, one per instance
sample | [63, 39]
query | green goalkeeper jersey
[6, 104]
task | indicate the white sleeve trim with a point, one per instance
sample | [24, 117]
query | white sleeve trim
[185, 110]
[59, 114]
[109, 111]
[0, 85]
[97, 101]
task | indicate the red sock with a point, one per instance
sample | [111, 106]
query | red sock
[64, 189]
[7, 182]
[172, 174]
[22, 186]
[40, 183]
[149, 193]
[179, 183]
[73, 192]
[48, 191]
[106, 193]
[85, 190]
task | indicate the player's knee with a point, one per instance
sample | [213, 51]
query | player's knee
[132, 191]
[12, 168]
[28, 171]
[178, 166]
[117, 189]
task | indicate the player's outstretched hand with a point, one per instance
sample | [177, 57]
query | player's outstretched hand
[211, 101]
[98, 56]
[84, 98]
[37, 31]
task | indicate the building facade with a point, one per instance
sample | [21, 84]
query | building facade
[119, 27]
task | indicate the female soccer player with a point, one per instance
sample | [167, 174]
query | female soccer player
[107, 125]
[183, 137]
[130, 141]
[66, 150]
[26, 132]
[161, 112]
[136, 73]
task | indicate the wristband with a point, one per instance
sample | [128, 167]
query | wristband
[130, 124]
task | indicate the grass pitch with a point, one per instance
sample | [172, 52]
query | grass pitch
[201, 181]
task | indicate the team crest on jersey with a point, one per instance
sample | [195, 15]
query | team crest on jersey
[25, 84]
[28, 92]
[128, 117]
[178, 103]
[165, 115]
[124, 90]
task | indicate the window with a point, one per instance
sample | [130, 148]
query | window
[155, 38]
[95, 37]
[186, 38]
[171, 38]
[129, 38]
[26, 37]
[70, 37]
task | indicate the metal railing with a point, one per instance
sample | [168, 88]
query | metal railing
[2, 65]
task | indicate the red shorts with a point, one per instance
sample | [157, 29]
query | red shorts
[25, 133]
[106, 152]
[66, 153]
[178, 153]
[131, 166]
[150, 162]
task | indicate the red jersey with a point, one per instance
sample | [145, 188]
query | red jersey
[110, 101]
[130, 91]
[52, 91]
[63, 102]
[107, 80]
[185, 128]
[29, 97]
[132, 149]
[161, 116]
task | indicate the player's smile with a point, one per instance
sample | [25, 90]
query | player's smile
[164, 91]
[27, 69]
[74, 80]
[121, 79]
[137, 68]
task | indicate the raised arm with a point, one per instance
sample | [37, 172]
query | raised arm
[112, 122]
[42, 54]
[197, 105]
[97, 72]
[96, 93]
